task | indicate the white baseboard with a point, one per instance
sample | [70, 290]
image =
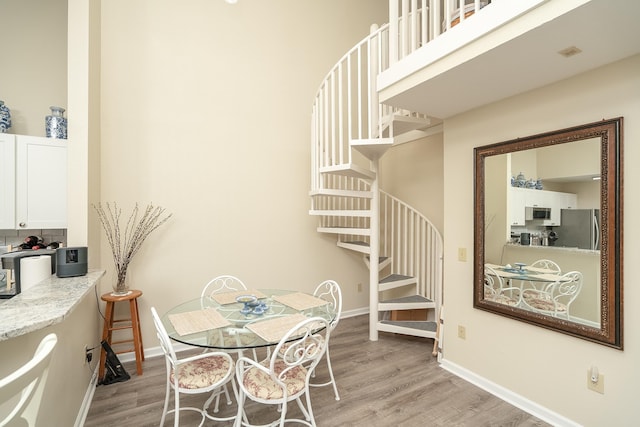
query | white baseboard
[508, 396]
[88, 397]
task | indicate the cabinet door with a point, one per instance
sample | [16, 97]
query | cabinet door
[41, 182]
[7, 182]
[517, 201]
[568, 201]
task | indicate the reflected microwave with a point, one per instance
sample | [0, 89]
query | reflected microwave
[534, 212]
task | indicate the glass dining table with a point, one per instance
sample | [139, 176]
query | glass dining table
[241, 320]
[530, 274]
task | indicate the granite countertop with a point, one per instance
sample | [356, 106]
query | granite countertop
[47, 303]
[553, 248]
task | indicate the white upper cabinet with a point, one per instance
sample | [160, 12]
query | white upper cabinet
[7, 181]
[34, 184]
[520, 198]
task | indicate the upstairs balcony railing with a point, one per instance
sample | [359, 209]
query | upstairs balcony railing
[414, 23]
[346, 105]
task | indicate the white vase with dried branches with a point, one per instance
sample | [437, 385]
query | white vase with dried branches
[125, 242]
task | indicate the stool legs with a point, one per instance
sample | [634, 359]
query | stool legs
[107, 331]
[137, 334]
[106, 335]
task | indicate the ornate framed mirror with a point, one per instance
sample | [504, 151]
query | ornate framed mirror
[548, 230]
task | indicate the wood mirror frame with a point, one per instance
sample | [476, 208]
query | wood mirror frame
[611, 195]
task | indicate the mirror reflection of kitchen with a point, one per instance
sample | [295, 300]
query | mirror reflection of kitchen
[544, 204]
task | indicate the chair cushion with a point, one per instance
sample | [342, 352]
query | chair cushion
[502, 299]
[260, 384]
[202, 373]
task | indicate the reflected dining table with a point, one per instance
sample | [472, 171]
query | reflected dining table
[525, 273]
[221, 322]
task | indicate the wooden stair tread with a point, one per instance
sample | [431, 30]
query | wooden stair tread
[415, 328]
[422, 325]
[394, 278]
[350, 170]
[341, 193]
[405, 300]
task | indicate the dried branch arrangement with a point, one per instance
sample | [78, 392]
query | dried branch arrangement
[125, 242]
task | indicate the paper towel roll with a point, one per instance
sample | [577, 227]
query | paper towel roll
[33, 270]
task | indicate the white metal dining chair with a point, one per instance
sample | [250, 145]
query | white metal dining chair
[284, 377]
[202, 373]
[218, 285]
[28, 382]
[556, 298]
[330, 291]
[545, 264]
[224, 283]
[495, 289]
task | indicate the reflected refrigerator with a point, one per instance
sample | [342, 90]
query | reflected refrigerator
[580, 228]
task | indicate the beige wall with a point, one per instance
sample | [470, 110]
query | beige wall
[413, 172]
[551, 367]
[205, 110]
[33, 65]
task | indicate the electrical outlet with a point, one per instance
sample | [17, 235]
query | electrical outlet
[88, 355]
[462, 254]
[597, 385]
[359, 287]
[462, 332]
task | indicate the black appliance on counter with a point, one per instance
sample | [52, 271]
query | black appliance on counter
[71, 262]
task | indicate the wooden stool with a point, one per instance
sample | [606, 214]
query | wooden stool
[109, 321]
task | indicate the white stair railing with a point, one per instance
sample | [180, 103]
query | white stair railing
[346, 107]
[414, 245]
[414, 23]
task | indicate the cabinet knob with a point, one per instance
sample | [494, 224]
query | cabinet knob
[22, 225]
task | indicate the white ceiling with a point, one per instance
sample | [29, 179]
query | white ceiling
[605, 31]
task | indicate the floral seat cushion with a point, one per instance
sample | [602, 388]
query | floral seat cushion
[543, 301]
[202, 373]
[260, 384]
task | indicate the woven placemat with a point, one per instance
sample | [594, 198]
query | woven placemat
[272, 330]
[300, 301]
[230, 297]
[197, 321]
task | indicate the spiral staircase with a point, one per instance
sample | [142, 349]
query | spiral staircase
[351, 131]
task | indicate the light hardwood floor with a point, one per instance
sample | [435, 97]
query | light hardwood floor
[392, 382]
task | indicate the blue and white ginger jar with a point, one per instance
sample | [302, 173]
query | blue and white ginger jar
[56, 124]
[5, 117]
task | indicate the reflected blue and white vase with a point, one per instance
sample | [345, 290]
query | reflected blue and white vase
[56, 124]
[5, 117]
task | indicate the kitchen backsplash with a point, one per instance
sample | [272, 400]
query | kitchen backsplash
[16, 237]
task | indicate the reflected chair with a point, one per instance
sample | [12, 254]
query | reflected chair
[496, 291]
[556, 298]
[200, 374]
[330, 291]
[28, 382]
[546, 264]
[285, 376]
